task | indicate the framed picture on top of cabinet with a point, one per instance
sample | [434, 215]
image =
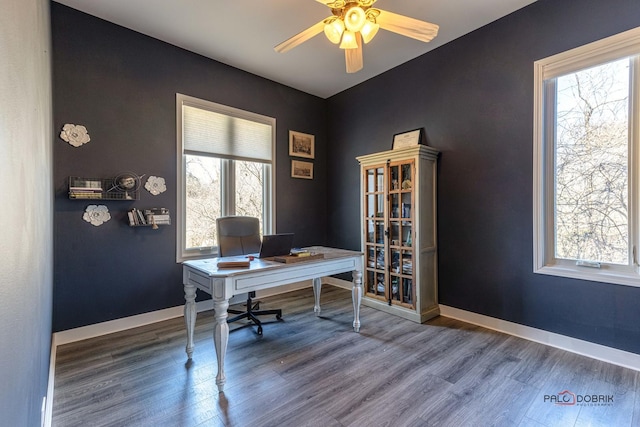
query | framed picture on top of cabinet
[301, 145]
[407, 139]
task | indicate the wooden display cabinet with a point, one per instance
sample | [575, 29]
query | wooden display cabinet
[399, 231]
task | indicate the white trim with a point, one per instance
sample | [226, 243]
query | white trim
[269, 216]
[345, 284]
[585, 348]
[48, 409]
[619, 46]
[117, 325]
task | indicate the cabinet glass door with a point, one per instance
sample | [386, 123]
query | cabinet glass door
[401, 234]
[375, 226]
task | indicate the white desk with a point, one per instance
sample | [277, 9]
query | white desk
[222, 284]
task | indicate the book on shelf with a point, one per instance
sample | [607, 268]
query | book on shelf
[86, 189]
[85, 195]
[157, 216]
[140, 217]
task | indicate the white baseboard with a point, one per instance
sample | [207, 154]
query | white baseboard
[585, 348]
[104, 328]
[338, 282]
[117, 325]
[48, 409]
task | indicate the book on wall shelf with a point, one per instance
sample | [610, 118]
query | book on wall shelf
[99, 188]
[149, 217]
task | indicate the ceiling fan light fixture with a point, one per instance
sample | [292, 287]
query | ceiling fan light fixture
[369, 30]
[333, 30]
[349, 40]
[354, 19]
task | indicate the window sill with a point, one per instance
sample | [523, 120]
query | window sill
[593, 275]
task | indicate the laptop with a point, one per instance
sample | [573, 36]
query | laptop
[276, 245]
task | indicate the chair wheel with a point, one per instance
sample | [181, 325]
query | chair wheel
[259, 330]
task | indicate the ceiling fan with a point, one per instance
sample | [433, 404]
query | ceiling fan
[354, 22]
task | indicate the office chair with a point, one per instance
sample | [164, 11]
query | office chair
[240, 235]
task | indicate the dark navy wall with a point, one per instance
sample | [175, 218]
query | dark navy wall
[474, 97]
[121, 85]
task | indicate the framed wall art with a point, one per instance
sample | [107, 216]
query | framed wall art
[301, 169]
[301, 145]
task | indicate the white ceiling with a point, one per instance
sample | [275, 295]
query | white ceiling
[242, 33]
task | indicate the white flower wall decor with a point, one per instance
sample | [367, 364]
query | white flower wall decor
[155, 185]
[75, 135]
[96, 214]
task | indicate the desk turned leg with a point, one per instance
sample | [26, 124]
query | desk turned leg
[317, 287]
[221, 339]
[356, 296]
[190, 316]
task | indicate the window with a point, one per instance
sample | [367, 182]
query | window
[587, 161]
[225, 167]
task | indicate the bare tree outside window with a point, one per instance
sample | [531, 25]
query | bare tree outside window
[250, 189]
[592, 164]
[204, 195]
[202, 200]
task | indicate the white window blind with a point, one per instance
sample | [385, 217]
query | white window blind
[226, 136]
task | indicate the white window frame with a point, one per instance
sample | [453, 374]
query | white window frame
[227, 197]
[544, 262]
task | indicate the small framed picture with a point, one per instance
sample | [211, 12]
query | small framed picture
[301, 169]
[301, 144]
[407, 139]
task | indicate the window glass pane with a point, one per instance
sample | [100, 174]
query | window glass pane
[592, 164]
[203, 195]
[250, 189]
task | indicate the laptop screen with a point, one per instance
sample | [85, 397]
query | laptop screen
[276, 245]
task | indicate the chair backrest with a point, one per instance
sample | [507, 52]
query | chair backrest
[238, 235]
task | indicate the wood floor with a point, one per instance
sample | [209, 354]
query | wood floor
[310, 371]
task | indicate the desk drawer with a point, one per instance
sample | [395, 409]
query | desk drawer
[199, 280]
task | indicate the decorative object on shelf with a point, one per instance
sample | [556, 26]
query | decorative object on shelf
[155, 185]
[301, 169]
[96, 214]
[126, 183]
[149, 217]
[354, 22]
[301, 145]
[407, 139]
[75, 135]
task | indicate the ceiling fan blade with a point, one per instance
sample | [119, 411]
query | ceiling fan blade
[300, 37]
[334, 4]
[353, 57]
[410, 27]
[338, 4]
